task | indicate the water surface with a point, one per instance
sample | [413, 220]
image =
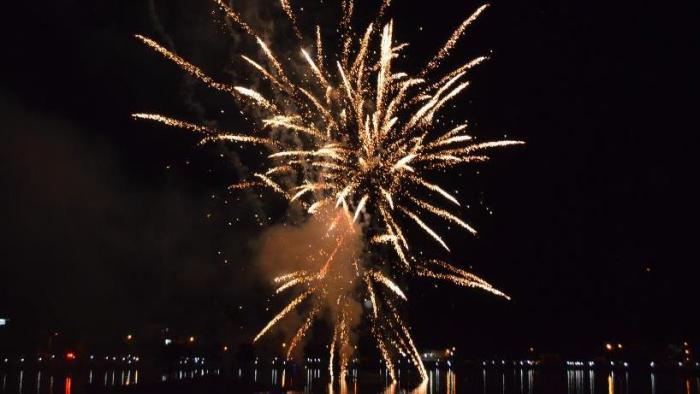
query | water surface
[315, 380]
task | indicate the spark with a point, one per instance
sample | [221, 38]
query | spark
[266, 74]
[186, 66]
[234, 16]
[302, 331]
[314, 68]
[209, 133]
[361, 205]
[290, 276]
[360, 141]
[272, 59]
[292, 17]
[282, 314]
[381, 278]
[256, 97]
[443, 214]
[458, 277]
[436, 188]
[454, 38]
[292, 283]
[425, 227]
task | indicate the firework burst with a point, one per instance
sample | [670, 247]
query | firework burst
[365, 145]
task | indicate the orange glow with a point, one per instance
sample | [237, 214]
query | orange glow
[68, 384]
[226, 348]
[70, 356]
[608, 346]
[191, 339]
[129, 337]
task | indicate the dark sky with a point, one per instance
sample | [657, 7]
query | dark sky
[111, 225]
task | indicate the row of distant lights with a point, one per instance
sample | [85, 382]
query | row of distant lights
[503, 362]
[195, 360]
[624, 364]
[71, 356]
[438, 361]
[576, 363]
[284, 362]
[128, 359]
[592, 364]
[277, 360]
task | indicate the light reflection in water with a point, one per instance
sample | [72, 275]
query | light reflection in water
[503, 383]
[583, 381]
[311, 380]
[451, 382]
[522, 381]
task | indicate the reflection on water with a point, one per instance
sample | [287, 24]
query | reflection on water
[43, 381]
[584, 382]
[314, 380]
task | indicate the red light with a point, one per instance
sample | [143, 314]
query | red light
[70, 356]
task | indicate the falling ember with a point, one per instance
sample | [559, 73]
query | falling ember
[282, 314]
[356, 144]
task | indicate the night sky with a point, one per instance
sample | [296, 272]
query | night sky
[112, 226]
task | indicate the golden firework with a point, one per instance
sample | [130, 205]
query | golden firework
[366, 146]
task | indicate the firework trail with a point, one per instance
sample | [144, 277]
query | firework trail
[366, 143]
